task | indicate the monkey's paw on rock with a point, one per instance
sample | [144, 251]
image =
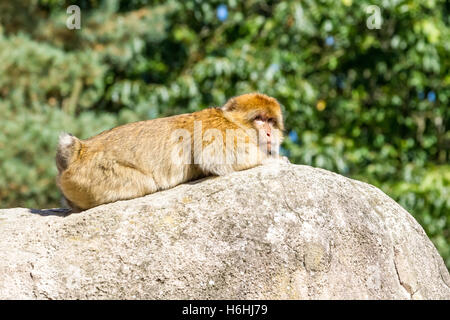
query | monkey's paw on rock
[278, 231]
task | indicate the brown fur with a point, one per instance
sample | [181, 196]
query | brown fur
[134, 160]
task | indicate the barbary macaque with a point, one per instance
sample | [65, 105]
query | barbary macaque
[144, 157]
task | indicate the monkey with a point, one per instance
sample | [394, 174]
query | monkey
[141, 158]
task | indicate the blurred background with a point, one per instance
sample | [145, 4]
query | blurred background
[365, 90]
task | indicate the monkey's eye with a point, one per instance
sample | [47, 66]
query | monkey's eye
[258, 118]
[272, 121]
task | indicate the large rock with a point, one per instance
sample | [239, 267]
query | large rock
[276, 231]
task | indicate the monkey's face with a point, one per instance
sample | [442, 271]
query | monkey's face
[269, 133]
[262, 113]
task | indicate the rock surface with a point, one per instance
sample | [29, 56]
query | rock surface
[279, 231]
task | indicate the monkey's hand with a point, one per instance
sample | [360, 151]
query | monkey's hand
[276, 159]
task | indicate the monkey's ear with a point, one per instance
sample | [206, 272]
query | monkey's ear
[230, 105]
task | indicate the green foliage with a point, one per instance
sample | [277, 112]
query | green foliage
[372, 104]
[38, 73]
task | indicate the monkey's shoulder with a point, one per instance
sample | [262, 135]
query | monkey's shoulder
[210, 117]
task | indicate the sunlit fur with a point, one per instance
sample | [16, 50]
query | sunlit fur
[137, 159]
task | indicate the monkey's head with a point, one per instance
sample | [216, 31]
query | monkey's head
[261, 112]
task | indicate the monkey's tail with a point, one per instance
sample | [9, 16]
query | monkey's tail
[68, 145]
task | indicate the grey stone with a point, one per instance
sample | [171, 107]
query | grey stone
[278, 231]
